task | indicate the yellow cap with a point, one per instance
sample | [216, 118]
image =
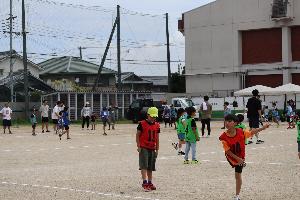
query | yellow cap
[153, 112]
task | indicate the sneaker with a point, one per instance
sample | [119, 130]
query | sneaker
[33, 134]
[10, 132]
[195, 161]
[259, 141]
[236, 198]
[181, 153]
[186, 162]
[146, 187]
[43, 131]
[151, 186]
[68, 138]
[47, 131]
[104, 134]
[250, 142]
[223, 128]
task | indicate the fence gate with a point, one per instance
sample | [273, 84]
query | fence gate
[76, 100]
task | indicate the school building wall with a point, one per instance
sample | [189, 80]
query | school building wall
[229, 37]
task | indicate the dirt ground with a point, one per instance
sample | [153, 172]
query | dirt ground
[93, 166]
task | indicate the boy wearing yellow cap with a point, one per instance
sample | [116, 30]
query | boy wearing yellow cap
[147, 141]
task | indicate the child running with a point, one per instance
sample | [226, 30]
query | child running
[33, 121]
[104, 117]
[147, 141]
[192, 136]
[181, 124]
[66, 123]
[233, 140]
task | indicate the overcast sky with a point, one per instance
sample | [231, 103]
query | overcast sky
[60, 29]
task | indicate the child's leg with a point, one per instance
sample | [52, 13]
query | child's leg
[68, 133]
[83, 122]
[47, 124]
[9, 129]
[187, 150]
[4, 128]
[149, 175]
[193, 146]
[144, 174]
[87, 122]
[238, 182]
[43, 124]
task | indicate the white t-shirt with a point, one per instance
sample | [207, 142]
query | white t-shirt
[56, 109]
[44, 110]
[6, 113]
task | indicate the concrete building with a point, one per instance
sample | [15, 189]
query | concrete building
[232, 44]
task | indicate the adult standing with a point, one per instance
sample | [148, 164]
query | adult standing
[86, 115]
[44, 109]
[55, 115]
[6, 115]
[206, 111]
[254, 113]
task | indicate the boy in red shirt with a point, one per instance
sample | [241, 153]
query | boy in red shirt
[147, 141]
[233, 140]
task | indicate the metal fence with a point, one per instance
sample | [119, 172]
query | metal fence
[76, 100]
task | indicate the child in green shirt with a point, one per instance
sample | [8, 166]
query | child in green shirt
[191, 135]
[298, 137]
[241, 125]
[33, 121]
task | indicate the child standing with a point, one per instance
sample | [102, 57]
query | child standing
[147, 141]
[33, 121]
[93, 120]
[233, 140]
[6, 115]
[181, 124]
[104, 118]
[66, 122]
[192, 136]
[266, 114]
[290, 114]
[227, 111]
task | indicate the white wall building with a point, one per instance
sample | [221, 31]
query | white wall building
[232, 44]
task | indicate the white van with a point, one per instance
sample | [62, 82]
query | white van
[184, 103]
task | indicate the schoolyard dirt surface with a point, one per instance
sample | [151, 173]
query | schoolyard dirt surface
[93, 166]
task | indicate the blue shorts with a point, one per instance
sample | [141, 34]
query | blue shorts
[181, 136]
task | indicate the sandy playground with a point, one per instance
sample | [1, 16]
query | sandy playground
[93, 166]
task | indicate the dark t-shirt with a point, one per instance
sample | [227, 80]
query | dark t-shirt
[193, 122]
[253, 106]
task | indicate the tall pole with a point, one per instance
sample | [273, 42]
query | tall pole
[119, 47]
[11, 54]
[168, 54]
[80, 52]
[25, 61]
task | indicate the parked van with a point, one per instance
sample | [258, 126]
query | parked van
[184, 103]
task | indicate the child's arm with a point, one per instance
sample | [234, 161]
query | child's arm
[256, 130]
[137, 139]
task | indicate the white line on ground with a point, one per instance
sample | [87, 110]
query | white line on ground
[78, 190]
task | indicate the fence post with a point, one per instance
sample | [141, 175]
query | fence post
[123, 99]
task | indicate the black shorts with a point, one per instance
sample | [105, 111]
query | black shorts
[33, 126]
[253, 122]
[66, 127]
[238, 169]
[55, 121]
[147, 159]
[45, 119]
[6, 122]
[104, 121]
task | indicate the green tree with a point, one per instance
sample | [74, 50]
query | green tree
[177, 83]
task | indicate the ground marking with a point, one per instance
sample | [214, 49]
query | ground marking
[78, 190]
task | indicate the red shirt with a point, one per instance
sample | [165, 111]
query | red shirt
[236, 145]
[149, 134]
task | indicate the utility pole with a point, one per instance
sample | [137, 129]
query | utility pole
[119, 86]
[25, 61]
[168, 54]
[80, 53]
[11, 53]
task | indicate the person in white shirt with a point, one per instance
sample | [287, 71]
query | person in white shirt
[55, 114]
[86, 114]
[6, 115]
[44, 109]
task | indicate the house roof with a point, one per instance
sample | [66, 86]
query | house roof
[130, 77]
[69, 64]
[157, 80]
[6, 55]
[34, 82]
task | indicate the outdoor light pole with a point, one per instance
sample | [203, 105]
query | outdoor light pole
[25, 61]
[11, 54]
[168, 54]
